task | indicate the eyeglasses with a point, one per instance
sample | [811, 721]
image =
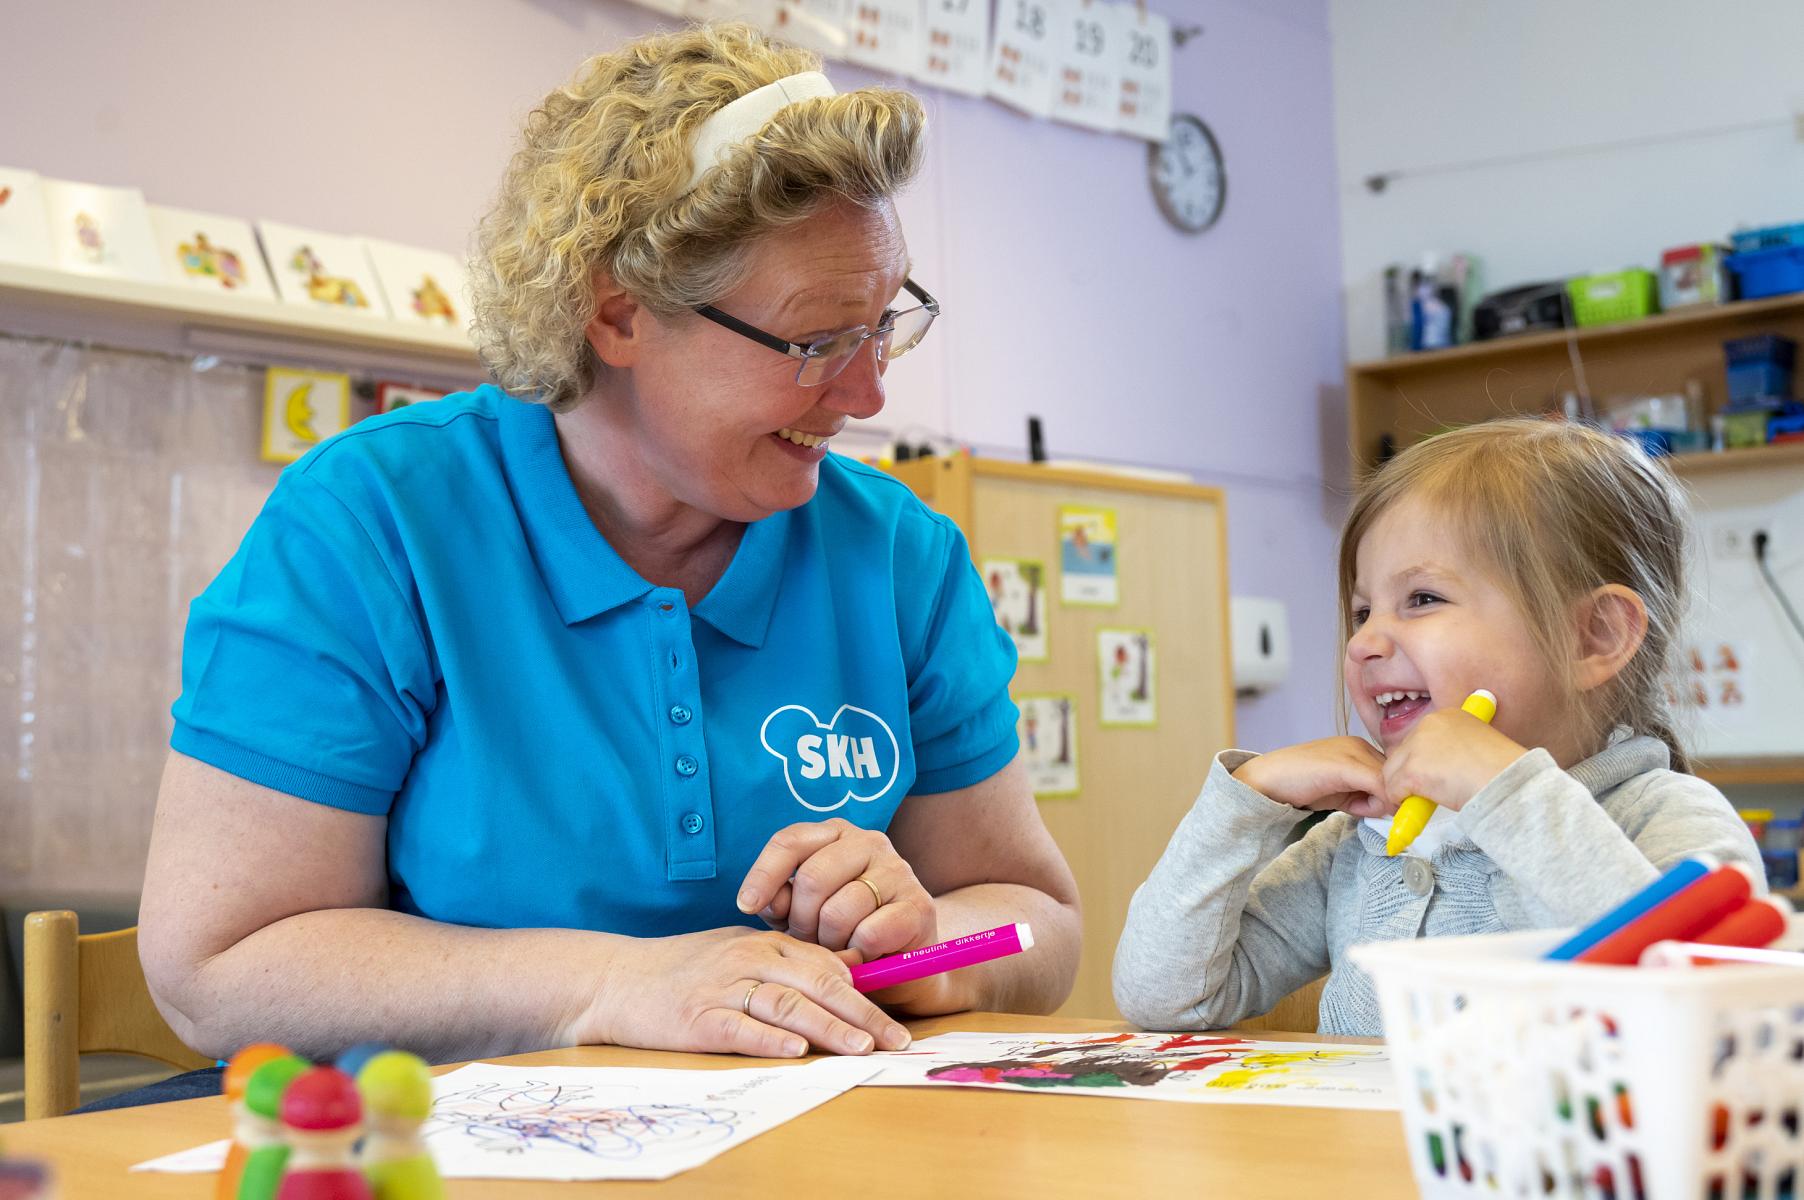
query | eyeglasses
[821, 359]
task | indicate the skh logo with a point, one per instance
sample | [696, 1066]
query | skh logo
[851, 757]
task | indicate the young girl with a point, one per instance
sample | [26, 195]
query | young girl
[1542, 562]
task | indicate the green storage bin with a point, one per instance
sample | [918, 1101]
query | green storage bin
[1615, 296]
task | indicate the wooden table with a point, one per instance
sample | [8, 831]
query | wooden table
[870, 1143]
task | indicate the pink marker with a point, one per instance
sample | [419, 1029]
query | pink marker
[966, 951]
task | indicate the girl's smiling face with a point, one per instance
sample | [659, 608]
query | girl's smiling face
[1431, 625]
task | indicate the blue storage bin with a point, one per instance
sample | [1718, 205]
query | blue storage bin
[1770, 272]
[1749, 240]
[1754, 383]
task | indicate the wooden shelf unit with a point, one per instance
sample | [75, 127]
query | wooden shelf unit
[1412, 396]
[1739, 772]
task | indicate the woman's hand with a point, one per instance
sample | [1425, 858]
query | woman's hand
[1448, 756]
[734, 991]
[842, 887]
[1345, 773]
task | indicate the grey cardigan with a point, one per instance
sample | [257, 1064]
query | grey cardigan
[1230, 921]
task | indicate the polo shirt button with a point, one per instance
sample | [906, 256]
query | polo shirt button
[692, 823]
[680, 714]
[687, 766]
[1418, 875]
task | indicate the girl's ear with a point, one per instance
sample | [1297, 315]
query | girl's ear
[617, 330]
[1612, 624]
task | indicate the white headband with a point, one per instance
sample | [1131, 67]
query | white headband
[741, 120]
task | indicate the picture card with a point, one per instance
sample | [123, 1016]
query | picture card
[24, 224]
[97, 230]
[321, 270]
[211, 253]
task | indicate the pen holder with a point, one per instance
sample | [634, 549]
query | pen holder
[1526, 1078]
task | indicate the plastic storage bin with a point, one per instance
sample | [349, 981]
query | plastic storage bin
[1770, 235]
[1522, 1078]
[1691, 275]
[1774, 271]
[1759, 369]
[1615, 296]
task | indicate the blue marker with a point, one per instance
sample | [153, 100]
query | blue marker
[1682, 875]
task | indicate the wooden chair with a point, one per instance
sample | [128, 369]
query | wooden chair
[1298, 1012]
[86, 995]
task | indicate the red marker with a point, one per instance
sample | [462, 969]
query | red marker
[1678, 918]
[1755, 925]
[966, 951]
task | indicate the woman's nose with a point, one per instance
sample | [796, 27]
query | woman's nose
[857, 390]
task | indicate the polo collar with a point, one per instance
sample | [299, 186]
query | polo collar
[586, 576]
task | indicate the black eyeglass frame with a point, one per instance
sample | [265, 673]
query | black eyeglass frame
[806, 352]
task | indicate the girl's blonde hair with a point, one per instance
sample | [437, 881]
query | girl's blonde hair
[1553, 511]
[597, 188]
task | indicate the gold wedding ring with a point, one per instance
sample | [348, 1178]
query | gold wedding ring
[745, 1005]
[875, 894]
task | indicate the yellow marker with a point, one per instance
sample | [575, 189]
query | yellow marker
[1414, 813]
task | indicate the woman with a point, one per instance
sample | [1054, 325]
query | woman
[513, 724]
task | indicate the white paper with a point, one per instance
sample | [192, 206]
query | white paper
[761, 13]
[1047, 728]
[1090, 50]
[1145, 69]
[818, 25]
[201, 1160]
[496, 1122]
[1017, 589]
[1023, 57]
[211, 253]
[102, 231]
[1190, 1068]
[24, 225]
[1125, 665]
[955, 46]
[422, 287]
[321, 270]
[884, 35]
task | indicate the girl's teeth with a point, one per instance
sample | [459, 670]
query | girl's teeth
[801, 439]
[1386, 699]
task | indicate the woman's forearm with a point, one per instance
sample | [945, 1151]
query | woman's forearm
[319, 982]
[1036, 981]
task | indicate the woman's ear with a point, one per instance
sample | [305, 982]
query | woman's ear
[1612, 624]
[617, 330]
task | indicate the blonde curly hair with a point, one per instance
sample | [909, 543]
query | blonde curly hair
[596, 188]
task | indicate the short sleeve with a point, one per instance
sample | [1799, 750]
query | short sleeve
[962, 719]
[304, 668]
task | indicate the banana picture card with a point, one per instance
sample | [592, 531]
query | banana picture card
[102, 231]
[321, 270]
[24, 229]
[211, 253]
[301, 409]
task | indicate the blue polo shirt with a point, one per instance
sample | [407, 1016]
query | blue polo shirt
[423, 623]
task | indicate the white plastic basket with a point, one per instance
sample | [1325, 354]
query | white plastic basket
[1526, 1078]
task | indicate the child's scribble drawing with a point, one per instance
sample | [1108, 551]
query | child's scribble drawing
[510, 1118]
[1206, 1067]
[501, 1122]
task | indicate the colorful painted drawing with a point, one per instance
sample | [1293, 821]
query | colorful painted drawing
[201, 257]
[1087, 543]
[1125, 669]
[1187, 1067]
[1047, 728]
[322, 287]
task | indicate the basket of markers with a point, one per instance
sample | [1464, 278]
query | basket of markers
[1657, 1054]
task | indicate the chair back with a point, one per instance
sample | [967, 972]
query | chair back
[86, 995]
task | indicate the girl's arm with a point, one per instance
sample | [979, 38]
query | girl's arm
[1211, 937]
[1579, 856]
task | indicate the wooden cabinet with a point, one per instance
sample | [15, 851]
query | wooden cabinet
[1135, 783]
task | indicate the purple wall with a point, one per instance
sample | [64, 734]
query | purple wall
[1067, 295]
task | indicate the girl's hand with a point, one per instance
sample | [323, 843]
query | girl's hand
[1345, 773]
[842, 887]
[1449, 756]
[734, 991]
